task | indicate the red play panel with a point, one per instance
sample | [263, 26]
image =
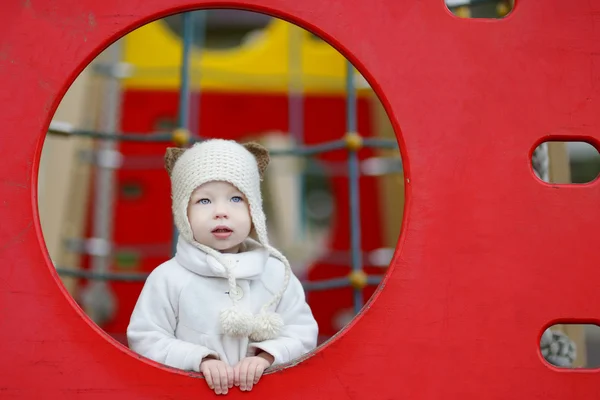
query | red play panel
[489, 256]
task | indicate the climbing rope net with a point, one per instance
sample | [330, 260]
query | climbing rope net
[556, 347]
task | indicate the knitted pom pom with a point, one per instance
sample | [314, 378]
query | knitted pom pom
[236, 322]
[267, 325]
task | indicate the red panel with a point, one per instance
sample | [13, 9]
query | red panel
[484, 244]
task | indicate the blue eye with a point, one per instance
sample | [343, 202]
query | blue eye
[237, 199]
[204, 201]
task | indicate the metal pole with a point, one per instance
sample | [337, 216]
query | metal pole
[183, 119]
[98, 300]
[199, 38]
[354, 184]
[296, 110]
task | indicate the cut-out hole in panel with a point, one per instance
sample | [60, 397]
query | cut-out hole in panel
[571, 345]
[490, 9]
[121, 213]
[566, 162]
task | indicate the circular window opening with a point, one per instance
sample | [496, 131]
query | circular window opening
[330, 193]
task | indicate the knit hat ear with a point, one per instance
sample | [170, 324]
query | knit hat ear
[171, 156]
[261, 154]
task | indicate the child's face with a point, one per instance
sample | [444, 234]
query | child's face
[219, 216]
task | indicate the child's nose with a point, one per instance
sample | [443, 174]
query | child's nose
[221, 211]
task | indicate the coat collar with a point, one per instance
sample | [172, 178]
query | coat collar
[249, 263]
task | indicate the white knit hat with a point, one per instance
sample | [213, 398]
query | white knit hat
[243, 167]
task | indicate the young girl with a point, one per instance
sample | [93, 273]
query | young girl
[226, 305]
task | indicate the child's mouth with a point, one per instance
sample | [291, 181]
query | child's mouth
[222, 232]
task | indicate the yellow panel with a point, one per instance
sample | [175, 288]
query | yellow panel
[259, 65]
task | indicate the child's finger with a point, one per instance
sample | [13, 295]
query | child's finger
[208, 377]
[236, 375]
[243, 374]
[251, 374]
[230, 376]
[216, 379]
[259, 371]
[223, 378]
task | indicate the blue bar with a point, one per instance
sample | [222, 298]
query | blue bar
[184, 89]
[380, 143]
[166, 137]
[199, 38]
[351, 120]
[354, 184]
[296, 110]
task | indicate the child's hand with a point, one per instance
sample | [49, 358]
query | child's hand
[247, 372]
[218, 375]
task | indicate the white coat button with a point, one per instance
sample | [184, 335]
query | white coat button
[238, 294]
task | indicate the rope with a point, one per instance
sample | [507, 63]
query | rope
[59, 128]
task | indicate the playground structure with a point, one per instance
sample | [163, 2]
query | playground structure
[479, 254]
[253, 82]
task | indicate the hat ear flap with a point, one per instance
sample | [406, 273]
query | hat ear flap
[171, 156]
[261, 154]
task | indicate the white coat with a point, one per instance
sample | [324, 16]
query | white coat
[176, 318]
